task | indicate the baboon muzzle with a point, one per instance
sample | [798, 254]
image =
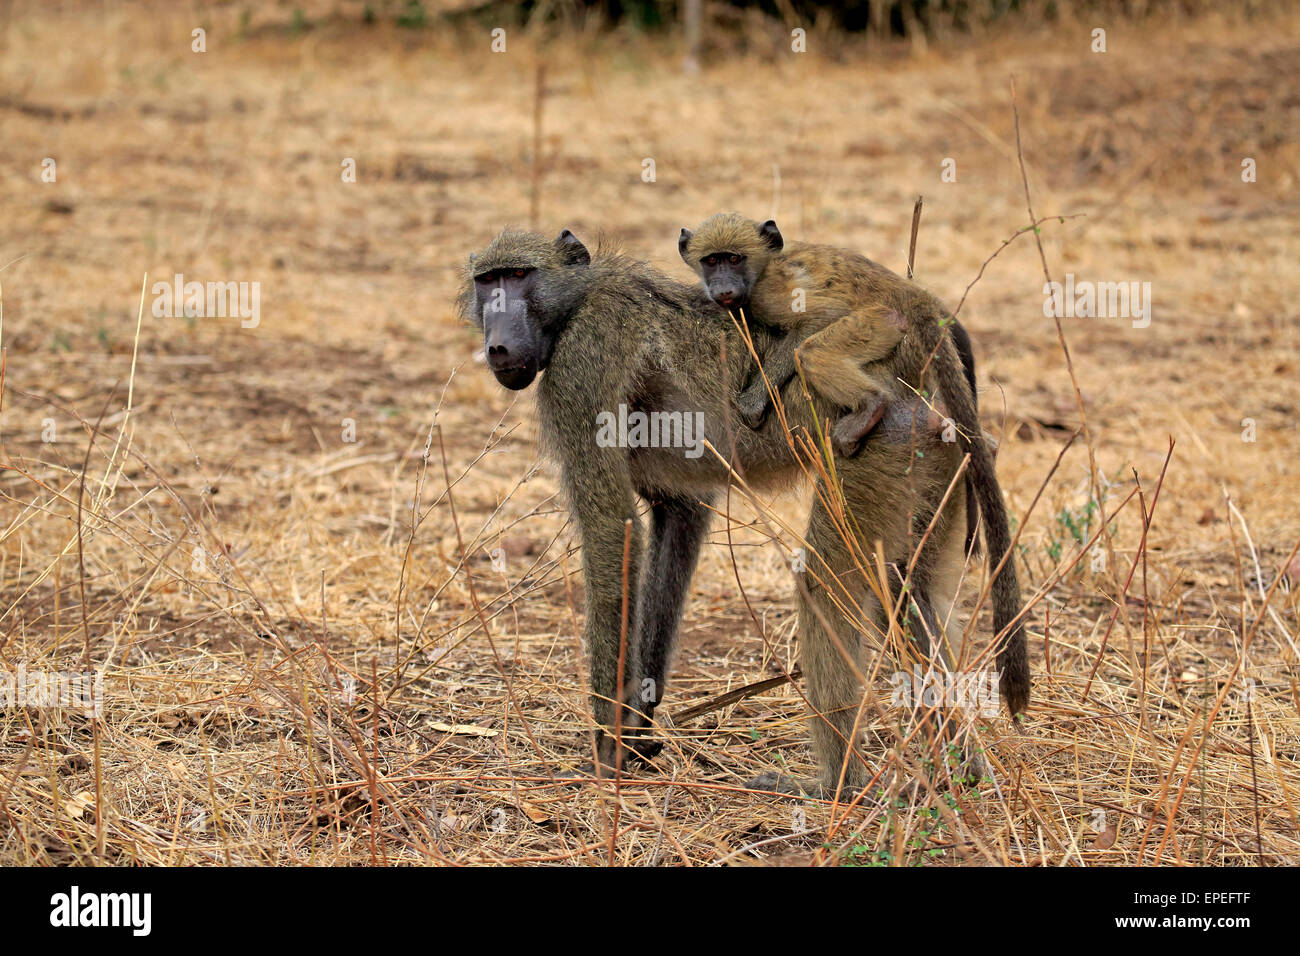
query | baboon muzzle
[510, 345]
[728, 296]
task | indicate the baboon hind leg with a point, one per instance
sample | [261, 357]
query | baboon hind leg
[830, 655]
[831, 652]
[932, 595]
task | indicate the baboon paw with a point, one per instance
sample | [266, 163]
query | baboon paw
[578, 774]
[783, 783]
[646, 749]
[600, 770]
[973, 769]
[638, 748]
[753, 415]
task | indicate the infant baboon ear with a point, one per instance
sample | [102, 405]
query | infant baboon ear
[683, 241]
[572, 251]
[771, 235]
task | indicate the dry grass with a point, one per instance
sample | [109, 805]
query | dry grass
[294, 669]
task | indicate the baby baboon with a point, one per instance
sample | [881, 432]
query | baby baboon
[840, 311]
[848, 315]
[870, 335]
[858, 328]
[612, 336]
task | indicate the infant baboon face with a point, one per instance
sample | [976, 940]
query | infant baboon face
[724, 278]
[729, 254]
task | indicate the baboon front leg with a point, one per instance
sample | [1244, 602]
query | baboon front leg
[677, 530]
[778, 366]
[603, 503]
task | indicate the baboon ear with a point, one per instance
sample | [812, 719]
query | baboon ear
[571, 249]
[771, 235]
[683, 241]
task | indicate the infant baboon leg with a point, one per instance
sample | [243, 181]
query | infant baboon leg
[852, 429]
[833, 358]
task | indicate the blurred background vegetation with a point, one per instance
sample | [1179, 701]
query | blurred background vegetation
[725, 21]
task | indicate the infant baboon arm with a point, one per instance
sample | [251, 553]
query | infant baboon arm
[777, 369]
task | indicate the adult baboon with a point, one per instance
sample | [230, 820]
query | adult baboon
[613, 336]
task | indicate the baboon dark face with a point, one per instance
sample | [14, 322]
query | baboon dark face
[521, 296]
[729, 273]
[516, 345]
[726, 279]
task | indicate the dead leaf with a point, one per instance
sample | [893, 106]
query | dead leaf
[80, 805]
[534, 812]
[465, 730]
[1106, 838]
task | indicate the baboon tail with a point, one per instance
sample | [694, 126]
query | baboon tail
[966, 352]
[1013, 661]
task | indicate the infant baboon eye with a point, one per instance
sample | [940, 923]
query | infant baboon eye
[710, 260]
[735, 260]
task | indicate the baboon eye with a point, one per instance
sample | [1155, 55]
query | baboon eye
[710, 260]
[520, 273]
[735, 260]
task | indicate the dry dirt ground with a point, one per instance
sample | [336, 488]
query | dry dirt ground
[295, 665]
